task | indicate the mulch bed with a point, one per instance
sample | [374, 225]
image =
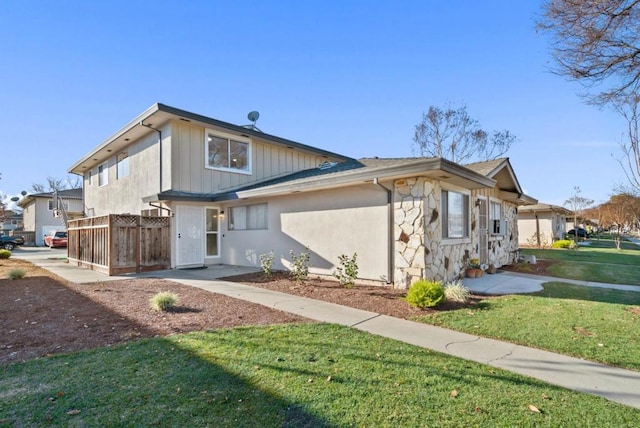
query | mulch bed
[43, 314]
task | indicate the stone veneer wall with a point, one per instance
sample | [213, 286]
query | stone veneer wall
[419, 252]
[502, 250]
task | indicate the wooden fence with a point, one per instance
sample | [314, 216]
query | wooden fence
[117, 244]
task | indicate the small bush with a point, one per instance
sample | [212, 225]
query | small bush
[5, 254]
[347, 272]
[564, 243]
[426, 294]
[16, 273]
[456, 292]
[300, 265]
[266, 262]
[164, 301]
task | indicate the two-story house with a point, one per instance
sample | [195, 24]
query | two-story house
[234, 193]
[41, 212]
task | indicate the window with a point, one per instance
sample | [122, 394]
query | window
[52, 206]
[212, 217]
[495, 217]
[248, 217]
[103, 175]
[455, 215]
[229, 153]
[122, 165]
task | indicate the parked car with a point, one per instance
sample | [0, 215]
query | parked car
[582, 233]
[56, 238]
[10, 242]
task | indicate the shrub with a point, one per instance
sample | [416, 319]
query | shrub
[164, 301]
[5, 254]
[16, 273]
[564, 243]
[300, 265]
[347, 272]
[456, 292]
[425, 294]
[266, 261]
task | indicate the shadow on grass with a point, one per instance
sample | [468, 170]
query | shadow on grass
[561, 290]
[144, 383]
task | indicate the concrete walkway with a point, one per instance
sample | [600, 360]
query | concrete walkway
[622, 386]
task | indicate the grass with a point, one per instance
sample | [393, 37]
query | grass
[600, 261]
[316, 375]
[592, 323]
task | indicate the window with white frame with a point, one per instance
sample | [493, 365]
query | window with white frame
[122, 165]
[103, 175]
[52, 206]
[455, 214]
[495, 218]
[248, 217]
[229, 153]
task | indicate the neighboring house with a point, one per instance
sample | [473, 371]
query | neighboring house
[542, 224]
[234, 193]
[40, 214]
[11, 220]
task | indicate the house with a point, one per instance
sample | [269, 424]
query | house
[11, 220]
[44, 212]
[234, 193]
[542, 224]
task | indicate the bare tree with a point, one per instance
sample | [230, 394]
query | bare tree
[628, 108]
[596, 43]
[454, 135]
[53, 184]
[578, 205]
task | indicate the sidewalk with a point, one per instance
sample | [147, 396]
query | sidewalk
[619, 385]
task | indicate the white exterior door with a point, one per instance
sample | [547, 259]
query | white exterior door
[190, 236]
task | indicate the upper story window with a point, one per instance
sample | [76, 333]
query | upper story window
[455, 214]
[52, 206]
[103, 174]
[227, 152]
[122, 165]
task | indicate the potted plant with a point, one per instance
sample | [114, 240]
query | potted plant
[474, 270]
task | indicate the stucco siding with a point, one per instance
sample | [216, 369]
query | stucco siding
[330, 223]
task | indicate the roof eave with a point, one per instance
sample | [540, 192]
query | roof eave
[470, 179]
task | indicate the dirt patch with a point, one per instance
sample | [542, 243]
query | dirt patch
[540, 268]
[42, 314]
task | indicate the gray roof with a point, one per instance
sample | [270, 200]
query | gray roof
[545, 207]
[486, 167]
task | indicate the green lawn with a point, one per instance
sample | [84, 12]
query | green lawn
[294, 375]
[592, 323]
[600, 261]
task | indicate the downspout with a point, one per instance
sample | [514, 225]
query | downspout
[160, 169]
[537, 229]
[159, 146]
[391, 243]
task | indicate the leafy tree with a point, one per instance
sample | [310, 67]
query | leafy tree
[596, 43]
[621, 210]
[453, 134]
[578, 205]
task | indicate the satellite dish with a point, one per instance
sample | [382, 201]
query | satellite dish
[253, 116]
[23, 193]
[15, 199]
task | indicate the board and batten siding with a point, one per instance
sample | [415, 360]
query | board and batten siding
[189, 173]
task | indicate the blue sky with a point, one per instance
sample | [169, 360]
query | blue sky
[352, 77]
